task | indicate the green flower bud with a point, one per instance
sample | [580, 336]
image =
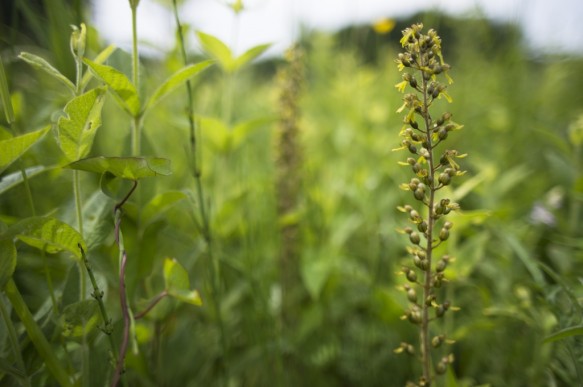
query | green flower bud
[77, 42]
[444, 234]
[414, 238]
[444, 178]
[419, 194]
[448, 225]
[412, 295]
[422, 226]
[441, 368]
[436, 341]
[441, 265]
[411, 275]
[442, 134]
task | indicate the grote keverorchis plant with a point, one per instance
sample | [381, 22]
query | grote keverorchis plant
[424, 134]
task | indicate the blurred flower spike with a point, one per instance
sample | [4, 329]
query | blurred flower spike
[384, 26]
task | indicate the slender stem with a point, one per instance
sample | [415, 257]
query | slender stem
[126, 313]
[135, 58]
[425, 339]
[98, 295]
[214, 268]
[153, 303]
[13, 338]
[36, 336]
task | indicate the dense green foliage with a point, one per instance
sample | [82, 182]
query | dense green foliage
[517, 242]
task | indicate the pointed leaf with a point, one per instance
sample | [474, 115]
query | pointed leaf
[176, 80]
[159, 204]
[12, 180]
[132, 168]
[13, 148]
[249, 55]
[121, 87]
[563, 334]
[48, 234]
[41, 64]
[99, 59]
[77, 130]
[217, 49]
[7, 261]
[188, 296]
[97, 225]
[175, 276]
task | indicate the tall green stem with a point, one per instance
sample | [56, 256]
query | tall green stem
[425, 340]
[214, 268]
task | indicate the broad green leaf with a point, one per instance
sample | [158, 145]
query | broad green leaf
[175, 276]
[13, 148]
[122, 88]
[188, 296]
[218, 50]
[176, 80]
[249, 55]
[115, 187]
[7, 261]
[97, 225]
[159, 204]
[178, 284]
[132, 168]
[12, 180]
[77, 130]
[78, 319]
[99, 59]
[48, 234]
[5, 95]
[563, 334]
[41, 64]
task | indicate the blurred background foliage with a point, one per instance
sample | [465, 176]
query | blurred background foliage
[518, 241]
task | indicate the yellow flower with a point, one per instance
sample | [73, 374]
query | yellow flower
[384, 26]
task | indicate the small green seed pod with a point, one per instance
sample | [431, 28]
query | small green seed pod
[441, 368]
[442, 134]
[436, 341]
[419, 194]
[412, 295]
[422, 226]
[415, 238]
[448, 225]
[444, 234]
[444, 178]
[411, 275]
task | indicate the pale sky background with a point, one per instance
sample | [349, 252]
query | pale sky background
[553, 25]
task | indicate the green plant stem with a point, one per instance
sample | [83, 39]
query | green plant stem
[98, 295]
[36, 336]
[13, 338]
[425, 339]
[214, 269]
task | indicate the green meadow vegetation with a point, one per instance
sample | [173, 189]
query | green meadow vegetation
[212, 219]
